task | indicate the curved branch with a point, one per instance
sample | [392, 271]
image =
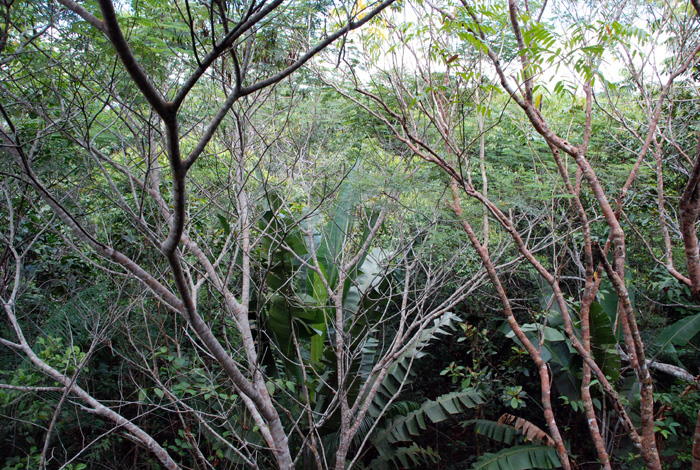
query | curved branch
[138, 75]
[84, 14]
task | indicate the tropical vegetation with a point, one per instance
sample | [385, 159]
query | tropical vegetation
[386, 235]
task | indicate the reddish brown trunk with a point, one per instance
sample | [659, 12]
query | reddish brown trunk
[586, 301]
[648, 448]
[545, 382]
[690, 209]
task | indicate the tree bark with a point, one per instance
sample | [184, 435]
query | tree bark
[690, 209]
[696, 445]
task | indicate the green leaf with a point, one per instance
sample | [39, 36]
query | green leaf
[403, 364]
[525, 457]
[678, 334]
[608, 300]
[603, 342]
[223, 221]
[493, 430]
[404, 427]
[408, 457]
[336, 233]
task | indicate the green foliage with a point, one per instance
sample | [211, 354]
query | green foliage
[523, 457]
[299, 304]
[494, 430]
[406, 427]
[402, 371]
[514, 396]
[410, 421]
[317, 170]
[558, 351]
[678, 334]
[412, 456]
[392, 421]
[603, 342]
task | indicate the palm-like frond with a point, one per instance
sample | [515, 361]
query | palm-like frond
[525, 457]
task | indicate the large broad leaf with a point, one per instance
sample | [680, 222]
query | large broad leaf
[519, 458]
[405, 427]
[494, 430]
[508, 428]
[320, 294]
[556, 351]
[565, 364]
[335, 235]
[549, 333]
[412, 456]
[283, 319]
[567, 379]
[400, 372]
[678, 334]
[300, 294]
[609, 301]
[367, 276]
[603, 342]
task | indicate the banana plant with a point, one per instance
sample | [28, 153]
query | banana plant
[391, 428]
[521, 457]
[297, 318]
[529, 447]
[296, 309]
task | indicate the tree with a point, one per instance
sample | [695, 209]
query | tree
[271, 326]
[522, 47]
[223, 262]
[122, 119]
